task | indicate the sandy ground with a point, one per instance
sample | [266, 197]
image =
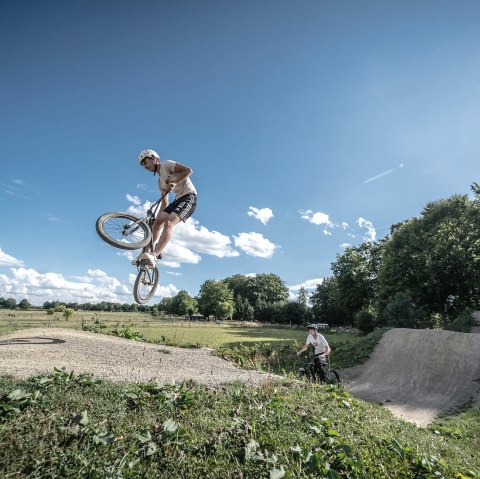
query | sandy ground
[32, 352]
[417, 374]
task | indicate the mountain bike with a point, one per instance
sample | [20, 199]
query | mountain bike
[310, 373]
[127, 231]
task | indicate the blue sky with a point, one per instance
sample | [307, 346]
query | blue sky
[309, 125]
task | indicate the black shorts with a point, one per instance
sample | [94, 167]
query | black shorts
[183, 206]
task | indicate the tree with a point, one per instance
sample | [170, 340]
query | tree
[68, 313]
[268, 288]
[24, 304]
[325, 304]
[296, 312]
[182, 304]
[10, 303]
[356, 273]
[243, 309]
[214, 299]
[435, 258]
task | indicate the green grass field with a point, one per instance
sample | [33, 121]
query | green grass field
[176, 330]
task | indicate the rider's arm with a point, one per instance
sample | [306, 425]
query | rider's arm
[182, 173]
[304, 348]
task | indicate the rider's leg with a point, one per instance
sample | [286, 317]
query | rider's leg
[169, 223]
[319, 368]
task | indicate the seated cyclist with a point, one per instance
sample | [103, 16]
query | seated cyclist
[322, 349]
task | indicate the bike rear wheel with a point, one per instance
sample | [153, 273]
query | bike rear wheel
[145, 284]
[332, 378]
[123, 230]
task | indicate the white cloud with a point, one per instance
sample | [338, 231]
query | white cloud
[345, 245]
[18, 181]
[371, 233]
[263, 215]
[191, 235]
[134, 199]
[254, 244]
[327, 232]
[7, 260]
[308, 284]
[95, 287]
[318, 218]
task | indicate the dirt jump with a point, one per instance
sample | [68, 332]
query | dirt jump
[419, 374]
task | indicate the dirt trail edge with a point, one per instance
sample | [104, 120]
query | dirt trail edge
[419, 374]
[31, 352]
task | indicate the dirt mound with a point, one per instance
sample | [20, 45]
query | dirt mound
[419, 374]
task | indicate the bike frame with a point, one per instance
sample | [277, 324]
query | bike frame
[149, 219]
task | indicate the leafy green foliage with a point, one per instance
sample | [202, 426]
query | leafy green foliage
[77, 428]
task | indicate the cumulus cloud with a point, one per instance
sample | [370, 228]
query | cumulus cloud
[263, 215]
[7, 260]
[254, 244]
[93, 287]
[318, 218]
[198, 238]
[371, 233]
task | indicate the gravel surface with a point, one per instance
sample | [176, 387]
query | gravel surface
[32, 352]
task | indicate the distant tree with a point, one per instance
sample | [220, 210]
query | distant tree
[244, 311]
[68, 313]
[24, 304]
[296, 312]
[325, 304]
[213, 298]
[10, 303]
[356, 275]
[182, 304]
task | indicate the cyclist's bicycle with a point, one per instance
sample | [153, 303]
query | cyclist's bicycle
[126, 231]
[309, 371]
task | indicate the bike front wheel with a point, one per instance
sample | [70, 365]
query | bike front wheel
[123, 230]
[145, 284]
[332, 378]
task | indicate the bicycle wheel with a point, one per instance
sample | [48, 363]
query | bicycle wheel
[332, 378]
[123, 230]
[145, 284]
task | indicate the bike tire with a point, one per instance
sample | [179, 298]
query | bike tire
[145, 284]
[332, 378]
[113, 228]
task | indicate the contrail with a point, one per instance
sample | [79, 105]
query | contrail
[373, 178]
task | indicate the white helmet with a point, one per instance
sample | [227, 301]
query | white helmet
[148, 154]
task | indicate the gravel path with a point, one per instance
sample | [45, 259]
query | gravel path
[31, 352]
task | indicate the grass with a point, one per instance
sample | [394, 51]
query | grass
[72, 426]
[173, 330]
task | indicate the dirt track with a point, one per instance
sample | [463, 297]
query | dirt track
[32, 352]
[419, 374]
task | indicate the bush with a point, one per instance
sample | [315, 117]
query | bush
[364, 321]
[463, 323]
[401, 312]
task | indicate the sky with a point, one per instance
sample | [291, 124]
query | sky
[310, 125]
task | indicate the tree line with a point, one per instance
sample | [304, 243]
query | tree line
[425, 273]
